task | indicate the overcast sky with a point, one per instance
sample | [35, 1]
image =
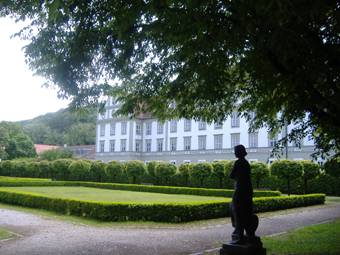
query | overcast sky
[21, 95]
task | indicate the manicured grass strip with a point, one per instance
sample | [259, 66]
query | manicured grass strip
[4, 234]
[317, 239]
[92, 194]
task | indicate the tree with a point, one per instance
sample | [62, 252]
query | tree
[21, 166]
[3, 143]
[61, 166]
[83, 134]
[228, 166]
[7, 166]
[165, 170]
[218, 170]
[183, 169]
[150, 169]
[113, 168]
[270, 57]
[44, 167]
[287, 169]
[53, 154]
[200, 171]
[259, 171]
[98, 168]
[80, 167]
[332, 167]
[134, 169]
[311, 170]
[33, 167]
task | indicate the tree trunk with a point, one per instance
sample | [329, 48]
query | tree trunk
[99, 179]
[221, 183]
[288, 188]
[186, 181]
[305, 186]
[166, 181]
[201, 183]
[134, 180]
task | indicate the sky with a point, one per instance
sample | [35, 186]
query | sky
[21, 94]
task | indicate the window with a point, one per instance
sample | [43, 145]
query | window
[235, 140]
[101, 146]
[122, 145]
[124, 128]
[187, 125]
[148, 145]
[253, 137]
[112, 145]
[187, 143]
[252, 116]
[159, 145]
[102, 130]
[173, 127]
[138, 146]
[218, 125]
[201, 125]
[138, 129]
[201, 142]
[148, 129]
[235, 120]
[173, 144]
[218, 142]
[173, 161]
[272, 140]
[113, 129]
[160, 128]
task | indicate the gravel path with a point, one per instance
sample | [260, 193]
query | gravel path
[42, 235]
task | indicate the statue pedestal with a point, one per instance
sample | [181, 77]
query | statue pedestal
[252, 246]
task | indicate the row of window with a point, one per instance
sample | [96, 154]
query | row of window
[173, 127]
[235, 140]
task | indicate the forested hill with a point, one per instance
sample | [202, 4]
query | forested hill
[61, 127]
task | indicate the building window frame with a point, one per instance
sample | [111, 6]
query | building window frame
[102, 130]
[113, 129]
[187, 125]
[235, 120]
[202, 125]
[202, 142]
[112, 145]
[173, 126]
[123, 145]
[124, 128]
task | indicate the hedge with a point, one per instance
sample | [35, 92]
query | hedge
[145, 188]
[159, 212]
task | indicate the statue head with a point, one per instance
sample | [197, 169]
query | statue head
[240, 151]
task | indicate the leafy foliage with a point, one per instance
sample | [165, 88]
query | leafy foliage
[98, 168]
[287, 169]
[165, 170]
[61, 166]
[311, 170]
[134, 168]
[218, 170]
[183, 170]
[33, 167]
[259, 171]
[113, 168]
[200, 171]
[80, 167]
[332, 167]
[204, 55]
[57, 153]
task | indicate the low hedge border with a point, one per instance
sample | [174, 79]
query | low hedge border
[159, 212]
[145, 188]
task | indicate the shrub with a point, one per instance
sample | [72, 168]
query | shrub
[61, 166]
[7, 166]
[287, 169]
[135, 168]
[218, 170]
[150, 169]
[165, 170]
[183, 170]
[80, 167]
[33, 167]
[44, 167]
[200, 171]
[113, 168]
[332, 167]
[98, 168]
[259, 171]
[311, 170]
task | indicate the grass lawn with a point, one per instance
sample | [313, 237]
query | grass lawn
[4, 234]
[317, 239]
[94, 194]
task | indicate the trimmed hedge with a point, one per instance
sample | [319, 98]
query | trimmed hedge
[159, 212]
[146, 188]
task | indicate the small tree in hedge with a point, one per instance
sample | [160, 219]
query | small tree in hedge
[33, 167]
[311, 170]
[200, 171]
[165, 170]
[150, 169]
[227, 168]
[61, 166]
[44, 167]
[21, 166]
[7, 166]
[259, 171]
[332, 167]
[218, 170]
[98, 168]
[134, 169]
[183, 169]
[287, 169]
[113, 168]
[80, 168]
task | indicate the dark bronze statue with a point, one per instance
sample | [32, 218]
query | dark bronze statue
[241, 207]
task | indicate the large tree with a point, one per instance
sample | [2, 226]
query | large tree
[206, 56]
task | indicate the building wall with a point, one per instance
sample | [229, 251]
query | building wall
[142, 137]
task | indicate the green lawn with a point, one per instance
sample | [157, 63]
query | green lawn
[93, 194]
[5, 235]
[317, 239]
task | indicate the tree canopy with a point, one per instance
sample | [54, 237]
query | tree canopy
[279, 59]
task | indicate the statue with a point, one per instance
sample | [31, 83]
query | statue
[241, 207]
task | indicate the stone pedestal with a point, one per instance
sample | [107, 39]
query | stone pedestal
[252, 246]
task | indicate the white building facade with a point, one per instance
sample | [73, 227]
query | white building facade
[177, 141]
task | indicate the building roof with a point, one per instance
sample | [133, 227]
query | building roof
[42, 147]
[84, 151]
